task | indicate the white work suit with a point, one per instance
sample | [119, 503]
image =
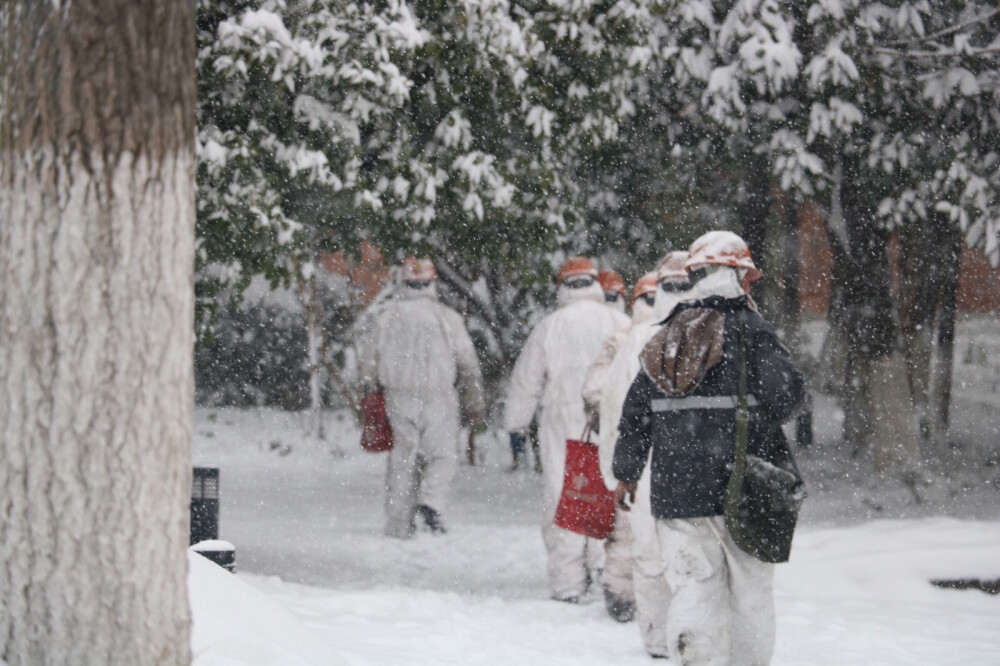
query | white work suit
[421, 356]
[549, 374]
[635, 567]
[617, 576]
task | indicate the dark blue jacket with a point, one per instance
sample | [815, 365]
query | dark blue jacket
[692, 435]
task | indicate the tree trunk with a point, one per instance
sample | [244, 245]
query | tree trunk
[754, 210]
[919, 296]
[96, 330]
[790, 305]
[865, 316]
[929, 256]
[942, 373]
[313, 308]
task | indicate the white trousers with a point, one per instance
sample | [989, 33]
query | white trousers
[649, 573]
[722, 610]
[617, 576]
[573, 559]
[423, 460]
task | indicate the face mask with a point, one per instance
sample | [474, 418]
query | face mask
[721, 281]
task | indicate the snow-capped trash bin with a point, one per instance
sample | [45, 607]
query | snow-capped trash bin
[222, 553]
[204, 504]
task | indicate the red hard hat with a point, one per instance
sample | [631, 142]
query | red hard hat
[645, 285]
[576, 266]
[611, 281]
[418, 270]
[722, 248]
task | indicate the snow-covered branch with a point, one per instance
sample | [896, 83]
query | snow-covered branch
[943, 32]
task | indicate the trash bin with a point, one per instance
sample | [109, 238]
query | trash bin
[204, 504]
[222, 553]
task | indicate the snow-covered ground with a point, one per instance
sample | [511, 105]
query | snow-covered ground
[318, 584]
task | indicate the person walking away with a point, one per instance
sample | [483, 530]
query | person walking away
[419, 354]
[651, 592]
[548, 375]
[682, 407]
[619, 596]
[614, 289]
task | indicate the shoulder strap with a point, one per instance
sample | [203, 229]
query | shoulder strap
[742, 418]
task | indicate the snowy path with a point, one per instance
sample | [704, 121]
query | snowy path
[307, 530]
[318, 584]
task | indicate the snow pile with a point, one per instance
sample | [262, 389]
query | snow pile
[236, 624]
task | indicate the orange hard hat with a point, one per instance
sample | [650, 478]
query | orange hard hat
[722, 248]
[645, 285]
[611, 281]
[576, 266]
[418, 270]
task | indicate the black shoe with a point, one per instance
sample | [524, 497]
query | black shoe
[516, 465]
[619, 608]
[432, 518]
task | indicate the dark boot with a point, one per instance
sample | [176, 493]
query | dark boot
[516, 465]
[619, 608]
[433, 519]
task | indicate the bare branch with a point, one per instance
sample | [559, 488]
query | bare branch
[944, 32]
[452, 277]
[950, 53]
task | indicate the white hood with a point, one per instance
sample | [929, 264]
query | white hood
[565, 295]
[666, 302]
[642, 311]
[618, 305]
[405, 291]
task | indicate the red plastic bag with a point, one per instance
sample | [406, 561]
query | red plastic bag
[376, 433]
[586, 506]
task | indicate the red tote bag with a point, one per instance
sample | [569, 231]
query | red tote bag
[376, 433]
[586, 506]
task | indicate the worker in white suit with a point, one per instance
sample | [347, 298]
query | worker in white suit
[548, 376]
[619, 596]
[650, 591]
[418, 353]
[614, 288]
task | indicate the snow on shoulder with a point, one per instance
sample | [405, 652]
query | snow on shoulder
[236, 624]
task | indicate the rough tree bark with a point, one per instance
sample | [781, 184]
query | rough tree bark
[754, 210]
[863, 312]
[929, 257]
[790, 257]
[944, 362]
[97, 101]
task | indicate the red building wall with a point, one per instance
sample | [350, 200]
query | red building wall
[978, 282]
[367, 275]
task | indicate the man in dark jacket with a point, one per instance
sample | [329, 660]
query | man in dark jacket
[682, 405]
